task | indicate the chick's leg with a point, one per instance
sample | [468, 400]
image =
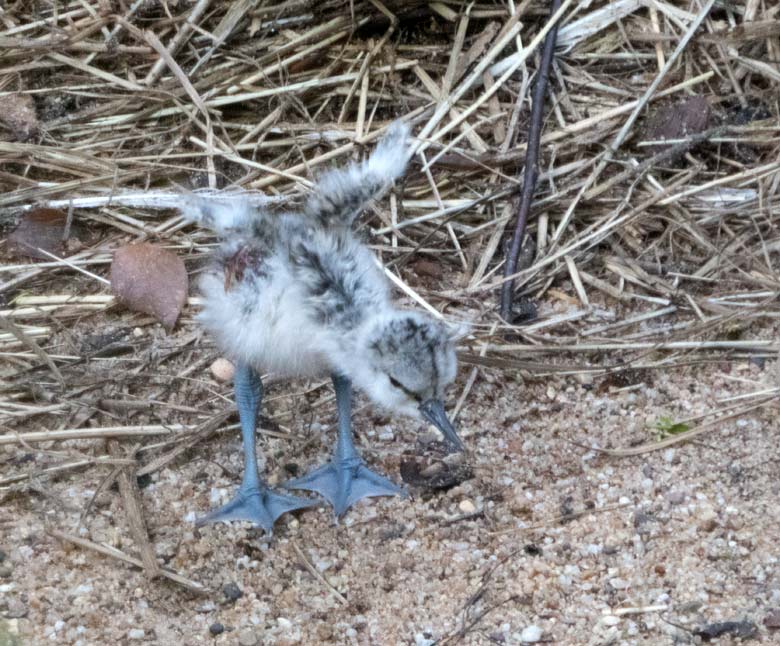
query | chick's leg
[254, 501]
[346, 479]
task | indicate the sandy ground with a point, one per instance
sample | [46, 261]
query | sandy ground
[547, 541]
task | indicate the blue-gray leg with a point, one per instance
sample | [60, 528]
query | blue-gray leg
[346, 479]
[254, 501]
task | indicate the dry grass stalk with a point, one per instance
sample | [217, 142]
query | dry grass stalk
[131, 499]
[318, 577]
[105, 550]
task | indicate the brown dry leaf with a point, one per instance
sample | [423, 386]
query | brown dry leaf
[40, 229]
[17, 113]
[688, 117]
[150, 279]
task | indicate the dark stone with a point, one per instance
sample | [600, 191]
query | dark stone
[144, 481]
[756, 110]
[741, 629]
[232, 592]
[524, 310]
[292, 469]
[216, 628]
[641, 518]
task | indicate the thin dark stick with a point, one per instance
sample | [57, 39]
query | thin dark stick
[531, 171]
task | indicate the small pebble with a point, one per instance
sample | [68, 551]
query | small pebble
[232, 592]
[531, 634]
[247, 637]
[136, 633]
[137, 332]
[16, 609]
[467, 507]
[708, 520]
[223, 370]
[772, 619]
[216, 628]
[386, 434]
[676, 497]
[584, 379]
[6, 571]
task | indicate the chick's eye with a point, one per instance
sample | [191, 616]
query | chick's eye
[400, 386]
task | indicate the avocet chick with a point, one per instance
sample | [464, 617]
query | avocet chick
[296, 294]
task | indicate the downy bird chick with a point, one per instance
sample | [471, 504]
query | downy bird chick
[298, 295]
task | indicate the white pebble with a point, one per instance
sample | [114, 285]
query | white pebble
[531, 634]
[247, 637]
[223, 370]
[386, 434]
[135, 633]
[467, 507]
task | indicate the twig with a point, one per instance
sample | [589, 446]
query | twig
[131, 497]
[531, 158]
[105, 550]
[27, 340]
[563, 518]
[321, 579]
[87, 433]
[686, 436]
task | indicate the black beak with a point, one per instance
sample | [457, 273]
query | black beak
[433, 411]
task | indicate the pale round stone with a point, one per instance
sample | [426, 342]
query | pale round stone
[467, 507]
[223, 370]
[531, 634]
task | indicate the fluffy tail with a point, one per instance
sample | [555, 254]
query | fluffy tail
[226, 213]
[341, 194]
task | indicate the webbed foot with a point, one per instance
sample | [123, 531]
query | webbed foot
[343, 482]
[257, 504]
